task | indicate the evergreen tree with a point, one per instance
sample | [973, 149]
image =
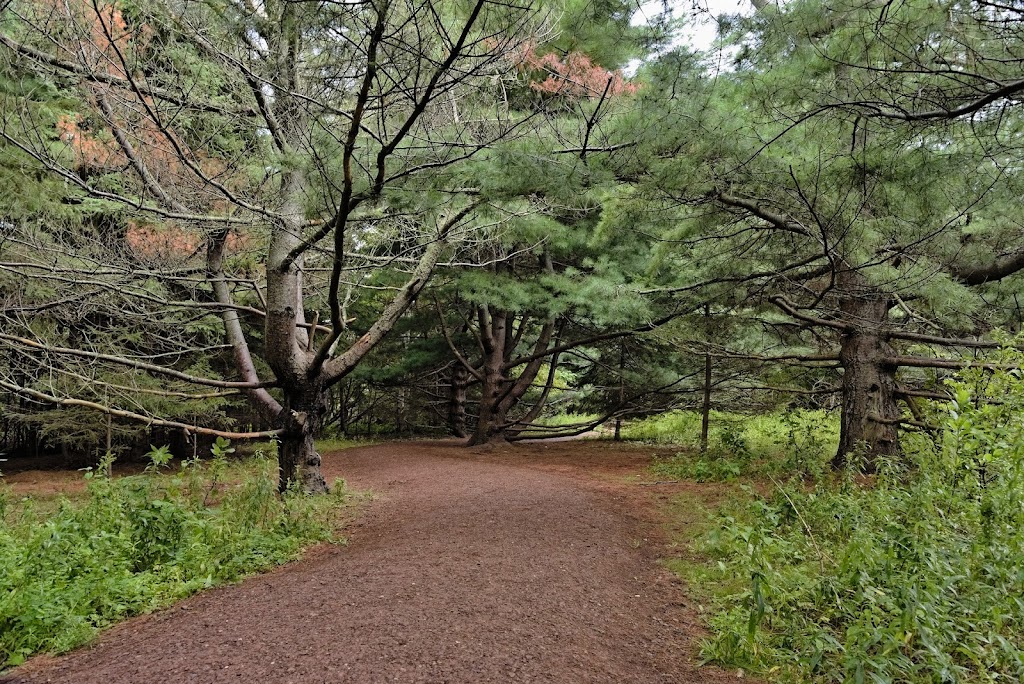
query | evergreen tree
[853, 173]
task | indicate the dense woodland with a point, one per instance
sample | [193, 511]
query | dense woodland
[426, 218]
[493, 220]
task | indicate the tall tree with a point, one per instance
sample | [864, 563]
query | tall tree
[319, 134]
[856, 171]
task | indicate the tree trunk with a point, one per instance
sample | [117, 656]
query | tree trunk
[499, 393]
[622, 389]
[870, 415]
[457, 400]
[297, 457]
[490, 424]
[705, 412]
[401, 408]
[343, 392]
[495, 335]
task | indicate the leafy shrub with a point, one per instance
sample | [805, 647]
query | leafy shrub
[137, 543]
[918, 577]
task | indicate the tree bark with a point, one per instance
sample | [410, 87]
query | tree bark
[457, 400]
[301, 420]
[622, 389]
[870, 415]
[305, 396]
[491, 421]
[705, 412]
[492, 417]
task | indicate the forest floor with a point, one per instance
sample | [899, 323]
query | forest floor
[529, 563]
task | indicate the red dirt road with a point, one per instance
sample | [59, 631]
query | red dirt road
[534, 563]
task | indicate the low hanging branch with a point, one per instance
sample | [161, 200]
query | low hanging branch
[755, 208]
[1004, 91]
[116, 80]
[451, 344]
[951, 364]
[924, 394]
[948, 341]
[647, 327]
[576, 429]
[137, 417]
[563, 431]
[216, 394]
[825, 360]
[133, 363]
[900, 421]
[792, 310]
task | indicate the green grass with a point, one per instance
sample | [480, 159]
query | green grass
[786, 443]
[564, 419]
[328, 444]
[132, 544]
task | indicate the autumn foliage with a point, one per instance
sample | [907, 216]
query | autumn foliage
[574, 75]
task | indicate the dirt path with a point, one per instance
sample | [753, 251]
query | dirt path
[528, 564]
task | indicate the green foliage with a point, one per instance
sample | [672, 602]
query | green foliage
[604, 30]
[914, 576]
[567, 419]
[159, 457]
[797, 442]
[140, 542]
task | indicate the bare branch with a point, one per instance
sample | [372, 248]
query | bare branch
[133, 363]
[138, 417]
[791, 309]
[951, 364]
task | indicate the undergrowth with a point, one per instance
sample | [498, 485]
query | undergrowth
[915, 575]
[787, 443]
[133, 544]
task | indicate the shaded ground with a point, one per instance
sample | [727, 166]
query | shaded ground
[533, 563]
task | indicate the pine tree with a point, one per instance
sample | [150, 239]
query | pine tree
[853, 171]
